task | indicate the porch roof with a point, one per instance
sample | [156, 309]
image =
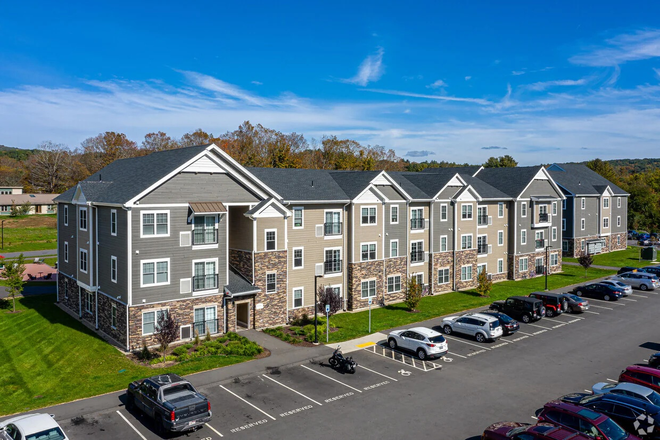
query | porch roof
[237, 285]
[207, 207]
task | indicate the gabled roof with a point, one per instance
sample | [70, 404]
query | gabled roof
[297, 184]
[511, 181]
[579, 179]
[418, 185]
[470, 169]
[237, 285]
[353, 183]
[485, 190]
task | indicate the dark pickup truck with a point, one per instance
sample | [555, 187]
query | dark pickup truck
[171, 401]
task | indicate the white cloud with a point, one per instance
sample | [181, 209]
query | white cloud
[468, 78]
[370, 70]
[640, 45]
[257, 83]
[657, 72]
[436, 97]
[517, 72]
[437, 84]
[538, 86]
[614, 77]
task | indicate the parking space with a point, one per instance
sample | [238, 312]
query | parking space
[403, 359]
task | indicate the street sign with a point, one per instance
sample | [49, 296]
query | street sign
[369, 301]
[327, 308]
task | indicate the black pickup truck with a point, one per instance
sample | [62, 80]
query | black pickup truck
[171, 401]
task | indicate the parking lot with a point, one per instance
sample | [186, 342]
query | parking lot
[459, 394]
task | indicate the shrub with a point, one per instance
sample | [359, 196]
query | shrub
[196, 340]
[165, 359]
[144, 354]
[309, 331]
[485, 285]
[207, 338]
[188, 346]
[413, 294]
[180, 351]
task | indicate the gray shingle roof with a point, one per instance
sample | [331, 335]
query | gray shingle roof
[237, 285]
[470, 169]
[424, 185]
[485, 190]
[510, 181]
[353, 182]
[580, 179]
[301, 184]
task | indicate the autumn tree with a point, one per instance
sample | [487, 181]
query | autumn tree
[413, 294]
[158, 142]
[501, 162]
[194, 138]
[604, 169]
[167, 331]
[49, 170]
[107, 147]
[11, 172]
[14, 278]
[586, 261]
[328, 296]
[484, 284]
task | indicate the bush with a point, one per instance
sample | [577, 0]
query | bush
[180, 351]
[144, 354]
[413, 294]
[309, 331]
[485, 285]
[159, 360]
[188, 346]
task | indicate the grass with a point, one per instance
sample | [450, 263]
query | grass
[30, 233]
[48, 357]
[629, 257]
[355, 325]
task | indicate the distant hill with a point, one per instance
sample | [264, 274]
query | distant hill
[633, 166]
[16, 153]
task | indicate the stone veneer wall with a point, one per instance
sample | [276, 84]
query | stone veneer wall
[88, 316]
[364, 271]
[118, 333]
[395, 266]
[274, 311]
[231, 316]
[577, 250]
[464, 258]
[495, 277]
[242, 262]
[67, 293]
[514, 265]
[439, 260]
[610, 242]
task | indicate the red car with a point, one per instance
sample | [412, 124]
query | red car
[578, 419]
[525, 431]
[647, 376]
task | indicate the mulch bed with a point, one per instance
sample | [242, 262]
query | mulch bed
[303, 342]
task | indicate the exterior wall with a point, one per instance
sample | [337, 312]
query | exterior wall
[89, 316]
[67, 293]
[396, 231]
[491, 231]
[514, 260]
[217, 187]
[611, 241]
[240, 229]
[464, 258]
[395, 266]
[67, 233]
[619, 212]
[590, 214]
[109, 246]
[276, 223]
[569, 215]
[419, 235]
[270, 309]
[82, 242]
[440, 227]
[367, 233]
[358, 272]
[242, 262]
[118, 333]
[442, 260]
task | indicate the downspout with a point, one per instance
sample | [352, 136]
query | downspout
[288, 268]
[352, 244]
[344, 287]
[430, 267]
[515, 237]
[407, 248]
[96, 263]
[129, 273]
[57, 286]
[454, 244]
[383, 253]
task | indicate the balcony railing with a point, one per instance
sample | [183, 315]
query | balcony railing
[417, 223]
[205, 282]
[482, 248]
[332, 228]
[205, 236]
[540, 244]
[482, 220]
[212, 325]
[332, 266]
[543, 217]
[417, 256]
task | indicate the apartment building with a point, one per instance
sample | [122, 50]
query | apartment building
[221, 247]
[595, 211]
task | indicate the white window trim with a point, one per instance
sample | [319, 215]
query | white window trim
[66, 251]
[270, 292]
[155, 312]
[368, 243]
[392, 209]
[618, 202]
[83, 251]
[463, 267]
[471, 242]
[80, 218]
[266, 231]
[89, 300]
[606, 199]
[448, 277]
[302, 217]
[217, 272]
[471, 217]
[155, 261]
[556, 257]
[114, 259]
[446, 212]
[375, 288]
[341, 256]
[398, 250]
[500, 262]
[500, 205]
[618, 221]
[526, 260]
[606, 220]
[500, 234]
[523, 234]
[583, 203]
[417, 263]
[554, 208]
[417, 275]
[554, 235]
[113, 214]
[155, 234]
[302, 297]
[293, 254]
[446, 243]
[583, 224]
[368, 207]
[523, 209]
[66, 215]
[485, 267]
[563, 224]
[388, 284]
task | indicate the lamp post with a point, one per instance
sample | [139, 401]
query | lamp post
[316, 321]
[547, 265]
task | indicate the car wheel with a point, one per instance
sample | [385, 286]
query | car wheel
[392, 343]
[130, 402]
[421, 354]
[549, 313]
[643, 287]
[526, 319]
[606, 297]
[578, 293]
[160, 426]
[447, 329]
[480, 337]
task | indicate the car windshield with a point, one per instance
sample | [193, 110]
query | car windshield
[654, 398]
[612, 430]
[49, 434]
[437, 339]
[574, 298]
[505, 318]
[589, 398]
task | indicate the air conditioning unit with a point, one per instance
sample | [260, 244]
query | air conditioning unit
[185, 285]
[489, 276]
[319, 230]
[426, 257]
[490, 248]
[186, 332]
[318, 269]
[185, 239]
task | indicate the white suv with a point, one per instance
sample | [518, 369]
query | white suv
[482, 327]
[425, 342]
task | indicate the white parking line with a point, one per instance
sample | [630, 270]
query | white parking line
[650, 293]
[560, 325]
[131, 425]
[636, 295]
[376, 372]
[466, 342]
[239, 397]
[213, 429]
[456, 354]
[629, 299]
[600, 307]
[540, 326]
[535, 418]
[291, 389]
[523, 333]
[612, 380]
[331, 378]
[593, 313]
[588, 391]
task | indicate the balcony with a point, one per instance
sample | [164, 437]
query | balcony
[482, 220]
[543, 217]
[332, 266]
[332, 228]
[542, 220]
[417, 257]
[539, 244]
[205, 282]
[482, 248]
[417, 223]
[212, 325]
[205, 236]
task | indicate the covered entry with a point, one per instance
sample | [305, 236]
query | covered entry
[239, 302]
[243, 314]
[595, 246]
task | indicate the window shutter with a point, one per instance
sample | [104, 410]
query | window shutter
[490, 248]
[185, 239]
[490, 219]
[185, 285]
[319, 230]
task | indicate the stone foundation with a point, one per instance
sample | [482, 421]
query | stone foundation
[441, 260]
[497, 277]
[242, 262]
[365, 271]
[273, 306]
[464, 258]
[611, 244]
[67, 293]
[395, 266]
[118, 332]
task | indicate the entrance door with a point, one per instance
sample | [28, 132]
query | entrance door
[242, 315]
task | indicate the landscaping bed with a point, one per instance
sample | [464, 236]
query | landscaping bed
[301, 331]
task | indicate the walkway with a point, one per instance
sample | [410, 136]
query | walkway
[568, 263]
[32, 254]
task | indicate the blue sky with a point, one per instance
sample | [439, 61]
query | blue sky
[463, 81]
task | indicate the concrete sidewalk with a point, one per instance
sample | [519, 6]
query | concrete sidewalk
[28, 254]
[568, 263]
[359, 343]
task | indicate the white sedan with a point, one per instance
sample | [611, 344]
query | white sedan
[31, 427]
[426, 343]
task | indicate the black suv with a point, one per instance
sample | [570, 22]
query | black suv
[524, 308]
[555, 304]
[655, 270]
[626, 269]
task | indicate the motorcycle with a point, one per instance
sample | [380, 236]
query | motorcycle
[342, 363]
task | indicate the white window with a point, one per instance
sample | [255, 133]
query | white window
[66, 215]
[368, 216]
[554, 259]
[563, 204]
[466, 212]
[394, 214]
[113, 269]
[482, 244]
[606, 202]
[298, 297]
[500, 265]
[523, 236]
[150, 321]
[333, 222]
[155, 272]
[83, 219]
[443, 275]
[204, 231]
[524, 264]
[606, 222]
[564, 245]
[66, 252]
[113, 315]
[618, 240]
[618, 202]
[417, 218]
[419, 278]
[443, 212]
[466, 273]
[554, 208]
[500, 238]
[416, 251]
[618, 221]
[368, 251]
[83, 260]
[394, 248]
[394, 284]
[298, 258]
[113, 222]
[500, 210]
[583, 224]
[554, 234]
[466, 241]
[368, 289]
[563, 224]
[332, 260]
[271, 239]
[155, 224]
[206, 321]
[205, 275]
[89, 300]
[583, 203]
[582, 244]
[523, 209]
[443, 243]
[482, 268]
[271, 282]
[298, 217]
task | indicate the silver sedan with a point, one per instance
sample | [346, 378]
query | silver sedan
[627, 289]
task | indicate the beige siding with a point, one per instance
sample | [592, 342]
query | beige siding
[417, 235]
[240, 229]
[368, 233]
[270, 223]
[491, 231]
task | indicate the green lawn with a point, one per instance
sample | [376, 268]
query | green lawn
[355, 325]
[29, 239]
[629, 257]
[49, 357]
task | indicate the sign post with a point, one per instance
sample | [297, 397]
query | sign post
[327, 322]
[369, 315]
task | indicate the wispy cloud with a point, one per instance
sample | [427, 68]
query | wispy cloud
[517, 72]
[437, 84]
[657, 72]
[223, 89]
[419, 153]
[468, 78]
[543, 85]
[640, 45]
[494, 147]
[257, 83]
[370, 70]
[614, 77]
[425, 96]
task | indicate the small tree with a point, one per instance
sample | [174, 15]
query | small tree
[586, 261]
[328, 296]
[413, 294]
[168, 331]
[484, 285]
[14, 274]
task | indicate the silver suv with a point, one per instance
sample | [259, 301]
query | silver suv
[639, 280]
[482, 327]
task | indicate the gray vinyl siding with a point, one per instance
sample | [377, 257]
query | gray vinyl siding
[110, 245]
[396, 231]
[569, 214]
[441, 228]
[622, 212]
[539, 188]
[448, 192]
[181, 257]
[67, 234]
[202, 187]
[525, 223]
[389, 192]
[83, 242]
[590, 214]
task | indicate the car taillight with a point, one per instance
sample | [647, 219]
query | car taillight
[208, 406]
[172, 416]
[430, 345]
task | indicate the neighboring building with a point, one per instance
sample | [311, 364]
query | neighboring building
[222, 247]
[40, 203]
[11, 190]
[595, 211]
